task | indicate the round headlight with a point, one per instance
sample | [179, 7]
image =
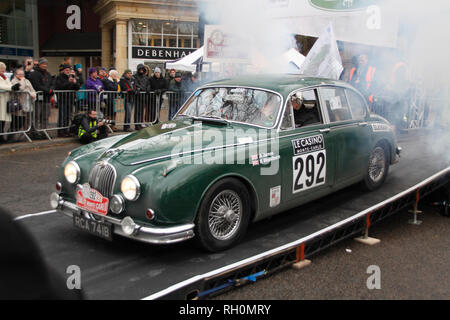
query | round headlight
[130, 188]
[72, 172]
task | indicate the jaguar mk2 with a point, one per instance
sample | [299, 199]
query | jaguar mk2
[286, 140]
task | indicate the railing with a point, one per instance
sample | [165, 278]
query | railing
[16, 115]
[44, 115]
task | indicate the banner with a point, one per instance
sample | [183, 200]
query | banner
[324, 60]
[369, 22]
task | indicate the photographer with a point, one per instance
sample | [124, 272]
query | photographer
[68, 83]
[91, 129]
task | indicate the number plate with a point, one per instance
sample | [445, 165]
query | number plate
[91, 200]
[98, 228]
[309, 170]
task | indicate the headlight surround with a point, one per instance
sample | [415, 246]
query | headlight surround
[72, 172]
[130, 187]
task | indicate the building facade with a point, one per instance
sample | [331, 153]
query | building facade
[18, 31]
[147, 32]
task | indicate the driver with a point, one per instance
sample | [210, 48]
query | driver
[303, 115]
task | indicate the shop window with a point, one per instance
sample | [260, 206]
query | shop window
[169, 28]
[23, 9]
[7, 7]
[154, 26]
[7, 31]
[185, 29]
[24, 36]
[139, 39]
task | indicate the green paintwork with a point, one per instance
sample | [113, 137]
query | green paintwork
[174, 179]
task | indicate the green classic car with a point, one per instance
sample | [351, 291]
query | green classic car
[239, 150]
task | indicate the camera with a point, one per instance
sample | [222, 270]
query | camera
[106, 121]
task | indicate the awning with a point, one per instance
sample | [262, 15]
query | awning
[188, 63]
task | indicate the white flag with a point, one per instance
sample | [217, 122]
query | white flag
[324, 60]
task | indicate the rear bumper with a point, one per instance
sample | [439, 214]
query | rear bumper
[154, 235]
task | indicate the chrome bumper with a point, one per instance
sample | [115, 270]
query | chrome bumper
[153, 235]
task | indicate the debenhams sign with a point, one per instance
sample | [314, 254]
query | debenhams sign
[160, 53]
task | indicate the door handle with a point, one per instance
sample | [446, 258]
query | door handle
[325, 130]
[362, 124]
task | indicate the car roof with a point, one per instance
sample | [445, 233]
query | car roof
[282, 83]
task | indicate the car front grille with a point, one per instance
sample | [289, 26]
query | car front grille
[102, 178]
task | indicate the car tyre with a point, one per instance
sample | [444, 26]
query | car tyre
[223, 216]
[377, 169]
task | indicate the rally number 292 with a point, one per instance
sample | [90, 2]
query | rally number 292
[309, 170]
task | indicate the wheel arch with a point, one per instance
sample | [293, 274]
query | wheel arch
[248, 185]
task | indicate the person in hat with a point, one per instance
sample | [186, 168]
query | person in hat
[79, 73]
[42, 81]
[159, 85]
[176, 95]
[68, 83]
[93, 83]
[142, 87]
[128, 86]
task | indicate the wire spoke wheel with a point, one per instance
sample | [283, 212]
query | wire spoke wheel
[377, 165]
[225, 215]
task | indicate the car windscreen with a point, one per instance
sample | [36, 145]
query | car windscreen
[247, 105]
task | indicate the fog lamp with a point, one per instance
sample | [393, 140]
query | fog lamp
[116, 204]
[128, 226]
[54, 200]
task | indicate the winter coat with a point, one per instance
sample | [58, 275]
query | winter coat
[62, 83]
[5, 84]
[128, 86]
[142, 80]
[96, 85]
[158, 83]
[26, 97]
[41, 80]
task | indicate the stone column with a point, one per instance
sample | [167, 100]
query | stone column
[106, 47]
[121, 46]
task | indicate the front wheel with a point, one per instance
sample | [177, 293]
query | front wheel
[377, 169]
[223, 216]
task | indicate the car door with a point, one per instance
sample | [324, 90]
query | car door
[349, 131]
[307, 156]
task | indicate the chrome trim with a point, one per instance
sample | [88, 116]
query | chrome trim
[138, 187]
[154, 235]
[102, 178]
[120, 200]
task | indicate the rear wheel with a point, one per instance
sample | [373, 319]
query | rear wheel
[377, 169]
[223, 216]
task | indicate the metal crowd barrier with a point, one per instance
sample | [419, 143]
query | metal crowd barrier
[19, 121]
[55, 111]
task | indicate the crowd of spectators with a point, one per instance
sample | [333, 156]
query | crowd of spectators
[72, 91]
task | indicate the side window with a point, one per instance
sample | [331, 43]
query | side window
[357, 105]
[336, 104]
[305, 107]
